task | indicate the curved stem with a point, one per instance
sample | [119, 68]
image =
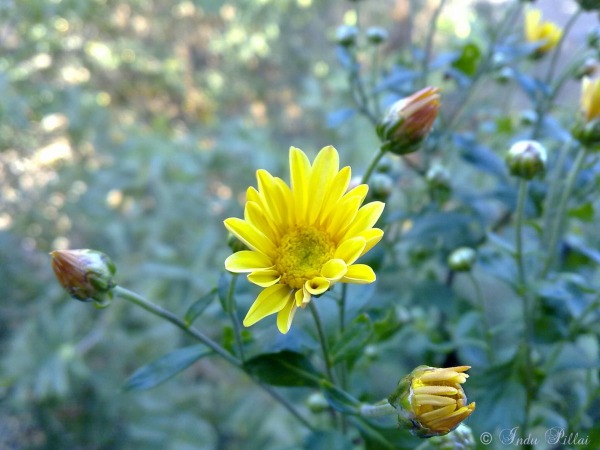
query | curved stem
[322, 340]
[561, 210]
[378, 410]
[137, 299]
[372, 165]
[231, 310]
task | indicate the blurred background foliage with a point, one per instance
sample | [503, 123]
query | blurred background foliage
[135, 127]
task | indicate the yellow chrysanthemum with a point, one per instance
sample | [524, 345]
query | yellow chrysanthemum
[590, 98]
[305, 238]
[536, 30]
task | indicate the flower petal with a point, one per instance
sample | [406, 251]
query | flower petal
[270, 192]
[342, 216]
[247, 261]
[324, 168]
[250, 236]
[350, 249]
[300, 174]
[366, 217]
[301, 297]
[372, 236]
[264, 278]
[359, 274]
[271, 300]
[255, 216]
[336, 190]
[317, 285]
[334, 269]
[286, 315]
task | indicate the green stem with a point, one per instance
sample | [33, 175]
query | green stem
[561, 210]
[137, 299]
[231, 310]
[554, 191]
[559, 45]
[377, 410]
[372, 165]
[429, 42]
[523, 291]
[487, 332]
[323, 341]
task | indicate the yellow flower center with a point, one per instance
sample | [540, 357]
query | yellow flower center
[302, 253]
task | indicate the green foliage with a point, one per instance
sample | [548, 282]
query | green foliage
[135, 128]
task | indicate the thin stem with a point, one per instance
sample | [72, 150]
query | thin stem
[487, 332]
[137, 299]
[133, 297]
[553, 191]
[372, 165]
[561, 210]
[559, 45]
[323, 340]
[429, 42]
[527, 313]
[231, 310]
[378, 410]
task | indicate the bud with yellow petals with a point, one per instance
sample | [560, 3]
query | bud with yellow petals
[536, 30]
[587, 130]
[431, 401]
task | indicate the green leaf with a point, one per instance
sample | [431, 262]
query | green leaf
[584, 212]
[468, 60]
[223, 289]
[165, 367]
[198, 307]
[350, 344]
[339, 400]
[285, 368]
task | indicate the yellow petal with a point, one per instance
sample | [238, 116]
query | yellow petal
[336, 190]
[264, 278]
[372, 236]
[302, 297]
[247, 261]
[324, 168]
[342, 216]
[366, 217]
[300, 174]
[286, 315]
[334, 269]
[250, 236]
[433, 400]
[269, 191]
[437, 413]
[271, 300]
[359, 191]
[435, 390]
[255, 215]
[350, 249]
[317, 285]
[359, 274]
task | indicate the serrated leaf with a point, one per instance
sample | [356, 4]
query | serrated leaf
[165, 367]
[285, 368]
[198, 307]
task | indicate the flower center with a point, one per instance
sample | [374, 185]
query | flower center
[302, 253]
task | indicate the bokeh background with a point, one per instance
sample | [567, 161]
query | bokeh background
[134, 127]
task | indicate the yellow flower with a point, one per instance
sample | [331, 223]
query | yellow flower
[305, 238]
[590, 98]
[432, 400]
[536, 30]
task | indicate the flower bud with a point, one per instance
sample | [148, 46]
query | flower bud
[589, 5]
[408, 121]
[382, 186]
[87, 275]
[438, 177]
[546, 33]
[590, 98]
[431, 401]
[459, 439]
[593, 38]
[526, 159]
[528, 117]
[462, 259]
[377, 35]
[590, 67]
[504, 75]
[385, 165]
[346, 35]
[317, 403]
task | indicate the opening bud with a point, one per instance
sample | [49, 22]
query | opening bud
[548, 34]
[462, 259]
[526, 159]
[87, 275]
[431, 401]
[408, 121]
[346, 35]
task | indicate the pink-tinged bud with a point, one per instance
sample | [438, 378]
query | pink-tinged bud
[526, 159]
[409, 121]
[87, 275]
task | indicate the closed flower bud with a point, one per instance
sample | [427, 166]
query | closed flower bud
[462, 259]
[87, 275]
[377, 35]
[528, 117]
[459, 439]
[438, 177]
[317, 402]
[385, 165]
[431, 401]
[346, 35]
[504, 75]
[589, 68]
[408, 121]
[381, 186]
[548, 34]
[526, 159]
